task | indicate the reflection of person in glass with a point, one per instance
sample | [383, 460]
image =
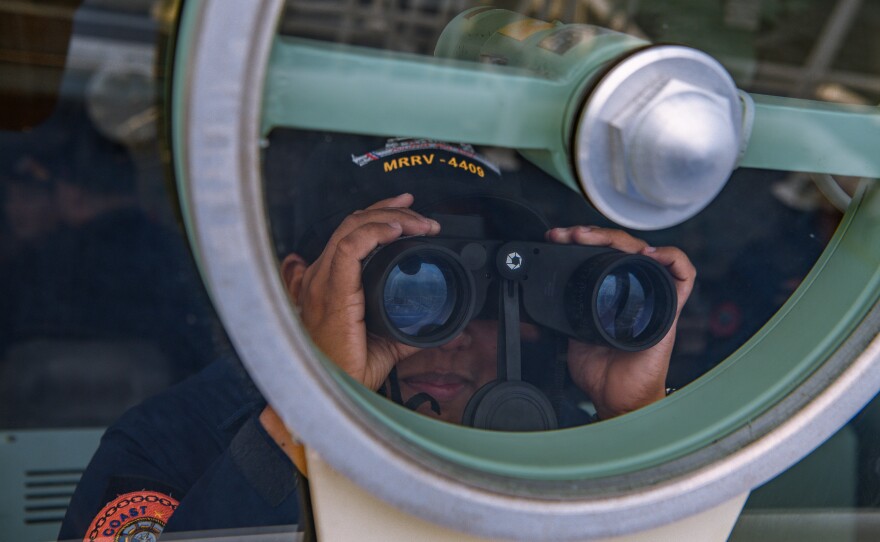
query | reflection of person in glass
[26, 193]
[72, 300]
[220, 457]
[330, 294]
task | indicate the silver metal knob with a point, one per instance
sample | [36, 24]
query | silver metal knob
[658, 137]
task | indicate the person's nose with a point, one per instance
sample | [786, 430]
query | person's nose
[460, 342]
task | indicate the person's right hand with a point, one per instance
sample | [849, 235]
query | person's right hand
[618, 381]
[330, 294]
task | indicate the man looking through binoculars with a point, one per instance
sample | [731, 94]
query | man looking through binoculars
[330, 295]
[210, 453]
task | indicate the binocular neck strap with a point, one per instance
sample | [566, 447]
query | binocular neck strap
[414, 402]
[509, 362]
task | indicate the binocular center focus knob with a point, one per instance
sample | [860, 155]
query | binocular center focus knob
[512, 261]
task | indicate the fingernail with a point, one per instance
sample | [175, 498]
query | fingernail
[434, 224]
[650, 249]
[396, 225]
[585, 229]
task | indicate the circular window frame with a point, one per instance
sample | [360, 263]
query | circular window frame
[405, 459]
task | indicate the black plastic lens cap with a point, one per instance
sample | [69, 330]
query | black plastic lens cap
[514, 406]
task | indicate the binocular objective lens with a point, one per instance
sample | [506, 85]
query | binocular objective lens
[625, 303]
[419, 295]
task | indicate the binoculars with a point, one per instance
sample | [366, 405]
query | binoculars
[424, 291]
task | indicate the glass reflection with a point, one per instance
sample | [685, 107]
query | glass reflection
[418, 295]
[541, 302]
[755, 244]
[752, 246]
[625, 305]
[102, 304]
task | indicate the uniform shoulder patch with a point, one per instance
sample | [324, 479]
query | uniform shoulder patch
[138, 516]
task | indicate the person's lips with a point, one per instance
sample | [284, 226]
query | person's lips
[440, 386]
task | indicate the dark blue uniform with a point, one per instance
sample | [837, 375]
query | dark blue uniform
[200, 447]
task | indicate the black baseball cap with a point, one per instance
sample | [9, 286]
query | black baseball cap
[315, 179]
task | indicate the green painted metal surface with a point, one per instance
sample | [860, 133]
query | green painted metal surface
[345, 89]
[319, 86]
[528, 102]
[340, 88]
[177, 118]
[572, 54]
[816, 137]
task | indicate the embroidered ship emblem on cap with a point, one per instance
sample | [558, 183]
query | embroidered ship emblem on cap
[407, 145]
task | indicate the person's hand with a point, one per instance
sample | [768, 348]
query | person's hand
[618, 381]
[331, 297]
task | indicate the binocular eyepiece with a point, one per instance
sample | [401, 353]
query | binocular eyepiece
[424, 291]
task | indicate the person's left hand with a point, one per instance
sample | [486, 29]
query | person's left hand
[618, 381]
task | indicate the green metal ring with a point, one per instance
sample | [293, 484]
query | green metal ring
[616, 469]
